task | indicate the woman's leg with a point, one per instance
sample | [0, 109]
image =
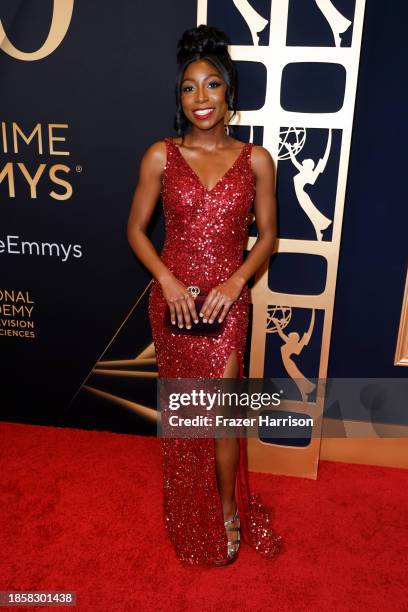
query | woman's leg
[227, 454]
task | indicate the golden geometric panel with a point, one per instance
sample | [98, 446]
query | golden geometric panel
[287, 129]
[401, 352]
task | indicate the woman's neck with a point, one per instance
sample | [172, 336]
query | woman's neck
[213, 138]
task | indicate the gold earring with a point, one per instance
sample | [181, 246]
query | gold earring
[226, 126]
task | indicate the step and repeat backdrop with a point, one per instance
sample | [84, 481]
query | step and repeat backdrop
[85, 88]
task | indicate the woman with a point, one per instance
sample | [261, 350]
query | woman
[207, 181]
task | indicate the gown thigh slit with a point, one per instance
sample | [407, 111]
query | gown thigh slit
[205, 237]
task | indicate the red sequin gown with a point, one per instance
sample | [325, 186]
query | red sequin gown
[206, 232]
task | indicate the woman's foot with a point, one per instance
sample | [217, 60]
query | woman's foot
[232, 527]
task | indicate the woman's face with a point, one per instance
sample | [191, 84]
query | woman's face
[203, 95]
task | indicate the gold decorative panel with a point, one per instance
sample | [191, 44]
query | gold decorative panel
[401, 353]
[285, 134]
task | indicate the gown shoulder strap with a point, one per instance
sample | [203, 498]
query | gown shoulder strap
[248, 153]
[170, 146]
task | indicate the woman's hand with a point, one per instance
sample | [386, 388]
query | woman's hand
[181, 303]
[220, 299]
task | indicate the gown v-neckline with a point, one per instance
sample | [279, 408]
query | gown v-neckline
[194, 173]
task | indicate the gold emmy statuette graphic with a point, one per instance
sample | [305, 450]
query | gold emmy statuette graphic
[337, 22]
[307, 175]
[255, 22]
[61, 18]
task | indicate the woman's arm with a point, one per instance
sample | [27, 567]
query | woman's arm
[181, 304]
[144, 201]
[221, 298]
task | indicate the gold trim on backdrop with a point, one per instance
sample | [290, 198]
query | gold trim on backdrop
[144, 411]
[401, 352]
[145, 355]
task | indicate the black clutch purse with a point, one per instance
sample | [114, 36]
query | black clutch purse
[197, 329]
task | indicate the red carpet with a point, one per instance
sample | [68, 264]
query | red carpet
[82, 511]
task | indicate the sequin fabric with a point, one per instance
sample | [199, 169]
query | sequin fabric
[206, 232]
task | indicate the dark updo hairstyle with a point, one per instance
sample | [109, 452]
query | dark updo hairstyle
[210, 44]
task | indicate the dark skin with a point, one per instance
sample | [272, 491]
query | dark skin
[210, 152]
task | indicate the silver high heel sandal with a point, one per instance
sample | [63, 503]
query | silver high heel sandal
[233, 545]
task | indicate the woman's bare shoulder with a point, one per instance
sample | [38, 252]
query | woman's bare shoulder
[156, 149]
[154, 157]
[261, 153]
[262, 160]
